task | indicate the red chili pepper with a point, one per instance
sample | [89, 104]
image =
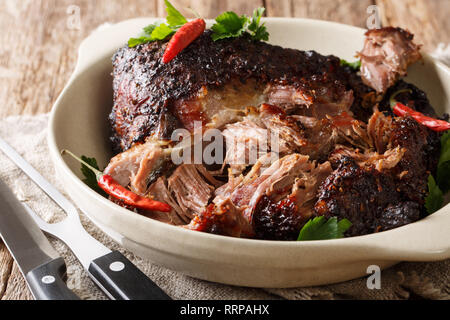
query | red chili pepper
[114, 189]
[183, 37]
[434, 124]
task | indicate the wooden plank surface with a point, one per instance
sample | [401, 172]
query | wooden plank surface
[427, 19]
[345, 11]
[39, 41]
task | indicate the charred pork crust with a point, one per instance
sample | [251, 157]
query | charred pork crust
[398, 215]
[277, 220]
[365, 196]
[376, 200]
[416, 100]
[419, 160]
[145, 89]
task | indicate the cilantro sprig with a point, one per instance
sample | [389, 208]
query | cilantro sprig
[160, 30]
[441, 185]
[230, 25]
[443, 171]
[227, 25]
[434, 200]
[321, 229]
[89, 176]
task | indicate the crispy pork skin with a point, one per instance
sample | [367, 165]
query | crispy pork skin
[223, 219]
[360, 194]
[386, 55]
[210, 78]
[420, 158]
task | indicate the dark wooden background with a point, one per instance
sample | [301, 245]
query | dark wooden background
[39, 41]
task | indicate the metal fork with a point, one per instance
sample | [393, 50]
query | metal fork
[118, 277]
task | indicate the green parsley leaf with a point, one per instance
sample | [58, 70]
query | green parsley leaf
[434, 200]
[258, 32]
[149, 29]
[443, 171]
[321, 229]
[230, 25]
[159, 30]
[174, 18]
[355, 66]
[133, 42]
[90, 178]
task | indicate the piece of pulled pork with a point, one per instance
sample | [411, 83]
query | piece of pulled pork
[192, 186]
[382, 189]
[269, 202]
[138, 167]
[386, 55]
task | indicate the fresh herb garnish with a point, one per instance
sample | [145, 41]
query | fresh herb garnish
[89, 176]
[437, 188]
[230, 25]
[174, 18]
[160, 30]
[355, 66]
[434, 200]
[321, 229]
[443, 171]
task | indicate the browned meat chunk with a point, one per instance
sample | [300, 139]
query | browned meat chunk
[282, 219]
[361, 195]
[285, 130]
[398, 215]
[209, 78]
[386, 55]
[381, 191]
[224, 219]
[419, 160]
[381, 162]
[268, 203]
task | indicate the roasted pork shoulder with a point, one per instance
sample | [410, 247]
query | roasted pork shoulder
[304, 135]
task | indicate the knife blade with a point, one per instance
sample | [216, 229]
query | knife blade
[115, 275]
[44, 270]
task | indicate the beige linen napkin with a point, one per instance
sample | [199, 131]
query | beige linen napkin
[27, 134]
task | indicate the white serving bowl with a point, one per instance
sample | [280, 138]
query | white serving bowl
[79, 123]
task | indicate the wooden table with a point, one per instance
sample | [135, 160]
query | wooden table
[39, 42]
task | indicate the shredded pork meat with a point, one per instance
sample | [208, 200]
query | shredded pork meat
[386, 55]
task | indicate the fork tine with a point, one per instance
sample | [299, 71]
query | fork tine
[40, 222]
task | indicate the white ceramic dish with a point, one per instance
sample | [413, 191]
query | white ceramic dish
[79, 123]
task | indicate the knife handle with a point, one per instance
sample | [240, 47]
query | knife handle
[122, 280]
[46, 282]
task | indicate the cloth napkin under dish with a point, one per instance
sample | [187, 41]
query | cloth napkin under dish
[27, 134]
